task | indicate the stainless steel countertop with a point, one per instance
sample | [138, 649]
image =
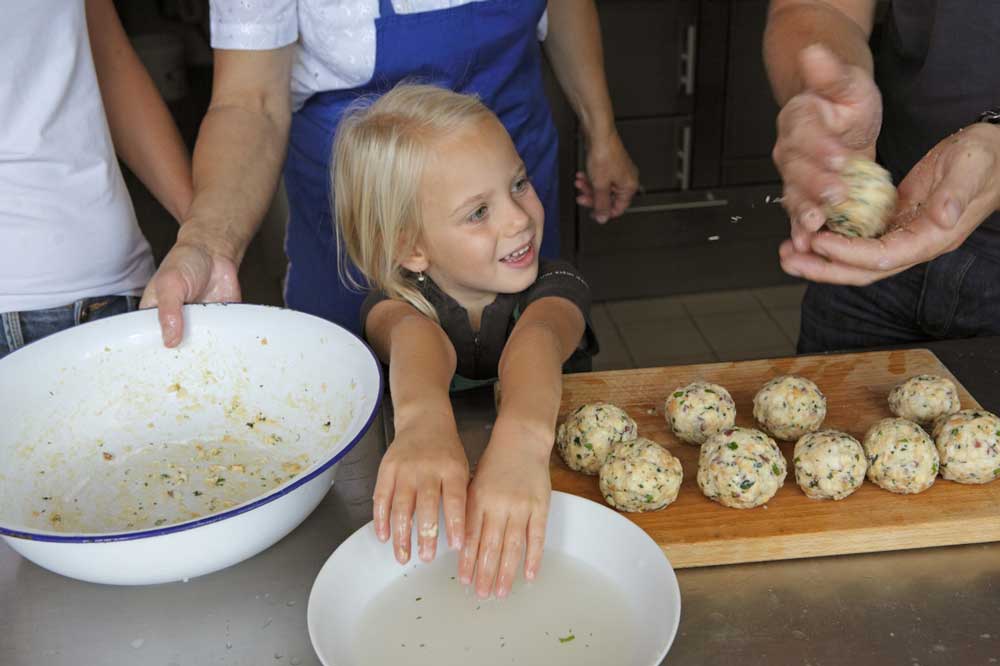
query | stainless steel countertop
[920, 607]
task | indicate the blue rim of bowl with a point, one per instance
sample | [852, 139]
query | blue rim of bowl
[214, 518]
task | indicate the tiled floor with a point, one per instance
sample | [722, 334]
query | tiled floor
[700, 328]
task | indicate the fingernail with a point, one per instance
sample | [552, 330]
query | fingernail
[465, 580]
[455, 543]
[529, 574]
[952, 212]
[601, 219]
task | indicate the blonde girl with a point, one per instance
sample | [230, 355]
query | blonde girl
[434, 207]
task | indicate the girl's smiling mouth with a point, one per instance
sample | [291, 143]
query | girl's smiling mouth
[522, 256]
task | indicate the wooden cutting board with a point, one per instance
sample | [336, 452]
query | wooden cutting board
[695, 531]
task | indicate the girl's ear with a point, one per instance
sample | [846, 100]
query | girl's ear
[416, 261]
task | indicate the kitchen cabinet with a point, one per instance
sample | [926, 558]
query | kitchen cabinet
[694, 109]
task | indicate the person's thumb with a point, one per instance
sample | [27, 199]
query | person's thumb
[827, 76]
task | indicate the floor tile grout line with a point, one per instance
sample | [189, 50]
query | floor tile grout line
[774, 319]
[704, 338]
[621, 336]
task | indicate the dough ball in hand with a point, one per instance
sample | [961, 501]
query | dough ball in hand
[699, 410]
[740, 468]
[640, 475]
[968, 444]
[901, 456]
[789, 407]
[870, 201]
[829, 464]
[924, 398]
[587, 436]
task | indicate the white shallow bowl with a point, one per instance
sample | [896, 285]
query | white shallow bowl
[606, 594]
[127, 463]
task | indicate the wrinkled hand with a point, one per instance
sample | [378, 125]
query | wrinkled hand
[611, 179]
[190, 273]
[941, 201]
[425, 465]
[508, 507]
[838, 113]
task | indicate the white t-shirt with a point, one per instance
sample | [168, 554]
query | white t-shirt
[336, 37]
[67, 228]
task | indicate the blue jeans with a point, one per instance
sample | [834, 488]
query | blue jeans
[21, 328]
[956, 295]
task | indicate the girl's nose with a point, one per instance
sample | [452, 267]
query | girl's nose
[518, 219]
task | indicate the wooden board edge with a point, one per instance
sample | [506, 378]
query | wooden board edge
[823, 544]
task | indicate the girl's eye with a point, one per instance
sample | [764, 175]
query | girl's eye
[479, 214]
[521, 184]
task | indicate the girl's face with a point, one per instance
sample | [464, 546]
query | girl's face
[482, 219]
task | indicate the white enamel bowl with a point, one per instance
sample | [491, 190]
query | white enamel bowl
[127, 463]
[606, 594]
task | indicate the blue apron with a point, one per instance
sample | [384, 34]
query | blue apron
[489, 48]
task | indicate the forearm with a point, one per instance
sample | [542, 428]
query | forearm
[792, 25]
[237, 162]
[421, 364]
[142, 129]
[574, 49]
[531, 383]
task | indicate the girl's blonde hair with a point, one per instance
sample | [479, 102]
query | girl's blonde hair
[379, 156]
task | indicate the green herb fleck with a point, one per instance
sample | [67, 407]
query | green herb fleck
[776, 469]
[733, 446]
[221, 481]
[747, 484]
[566, 639]
[649, 498]
[588, 446]
[678, 394]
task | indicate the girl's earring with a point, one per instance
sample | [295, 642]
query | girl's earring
[420, 277]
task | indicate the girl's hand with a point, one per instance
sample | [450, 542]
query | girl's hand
[425, 464]
[508, 507]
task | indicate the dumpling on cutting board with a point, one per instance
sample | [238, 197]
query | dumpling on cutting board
[740, 468]
[924, 398]
[640, 475]
[588, 434]
[789, 407]
[699, 410]
[901, 456]
[870, 201]
[968, 444]
[829, 464]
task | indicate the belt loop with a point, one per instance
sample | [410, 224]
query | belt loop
[78, 311]
[11, 322]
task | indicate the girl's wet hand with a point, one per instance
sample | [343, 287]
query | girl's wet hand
[508, 506]
[424, 466]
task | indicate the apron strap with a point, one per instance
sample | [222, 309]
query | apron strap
[385, 8]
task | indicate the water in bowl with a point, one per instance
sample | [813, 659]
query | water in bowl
[571, 614]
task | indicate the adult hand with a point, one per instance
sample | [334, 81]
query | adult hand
[941, 201]
[508, 507]
[190, 273]
[424, 467]
[611, 179]
[838, 113]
